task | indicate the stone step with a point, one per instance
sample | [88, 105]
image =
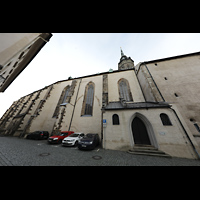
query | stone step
[150, 154]
[144, 147]
[147, 150]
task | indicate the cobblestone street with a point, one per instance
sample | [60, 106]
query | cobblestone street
[23, 152]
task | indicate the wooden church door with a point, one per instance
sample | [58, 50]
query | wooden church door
[139, 131]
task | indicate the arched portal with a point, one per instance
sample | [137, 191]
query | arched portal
[139, 123]
[140, 134]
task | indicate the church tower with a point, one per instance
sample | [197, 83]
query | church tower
[125, 62]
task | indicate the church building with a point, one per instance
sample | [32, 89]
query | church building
[130, 108]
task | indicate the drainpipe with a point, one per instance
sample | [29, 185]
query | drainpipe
[186, 133]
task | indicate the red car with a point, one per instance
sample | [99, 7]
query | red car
[57, 139]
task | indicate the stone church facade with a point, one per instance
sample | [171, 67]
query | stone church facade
[153, 103]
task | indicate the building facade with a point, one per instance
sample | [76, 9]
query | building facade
[16, 52]
[174, 80]
[128, 107]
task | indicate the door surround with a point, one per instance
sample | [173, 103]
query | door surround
[149, 128]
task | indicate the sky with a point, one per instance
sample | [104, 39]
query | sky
[80, 54]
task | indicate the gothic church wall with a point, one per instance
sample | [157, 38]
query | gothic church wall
[45, 120]
[113, 91]
[178, 81]
[88, 124]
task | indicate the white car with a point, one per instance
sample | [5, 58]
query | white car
[73, 139]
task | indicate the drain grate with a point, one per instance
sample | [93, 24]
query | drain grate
[97, 157]
[44, 154]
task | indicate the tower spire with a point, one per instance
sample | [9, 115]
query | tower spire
[122, 53]
[125, 62]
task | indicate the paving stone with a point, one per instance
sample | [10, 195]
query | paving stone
[23, 152]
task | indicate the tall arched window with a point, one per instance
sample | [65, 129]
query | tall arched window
[66, 92]
[124, 90]
[63, 99]
[87, 107]
[165, 119]
[115, 119]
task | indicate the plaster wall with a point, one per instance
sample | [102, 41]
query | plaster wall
[170, 139]
[88, 124]
[178, 76]
[113, 92]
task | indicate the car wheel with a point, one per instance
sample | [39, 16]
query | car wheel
[79, 147]
[60, 141]
[76, 143]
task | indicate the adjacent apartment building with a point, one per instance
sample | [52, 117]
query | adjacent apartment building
[16, 52]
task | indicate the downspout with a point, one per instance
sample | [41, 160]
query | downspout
[74, 105]
[186, 133]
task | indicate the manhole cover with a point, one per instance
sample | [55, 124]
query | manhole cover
[44, 154]
[97, 157]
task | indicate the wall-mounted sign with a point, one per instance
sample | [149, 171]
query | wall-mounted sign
[162, 133]
[104, 123]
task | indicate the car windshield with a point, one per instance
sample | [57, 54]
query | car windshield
[36, 132]
[74, 135]
[90, 135]
[61, 134]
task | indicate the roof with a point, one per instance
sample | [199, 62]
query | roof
[114, 105]
[117, 105]
[173, 57]
[117, 71]
[81, 77]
